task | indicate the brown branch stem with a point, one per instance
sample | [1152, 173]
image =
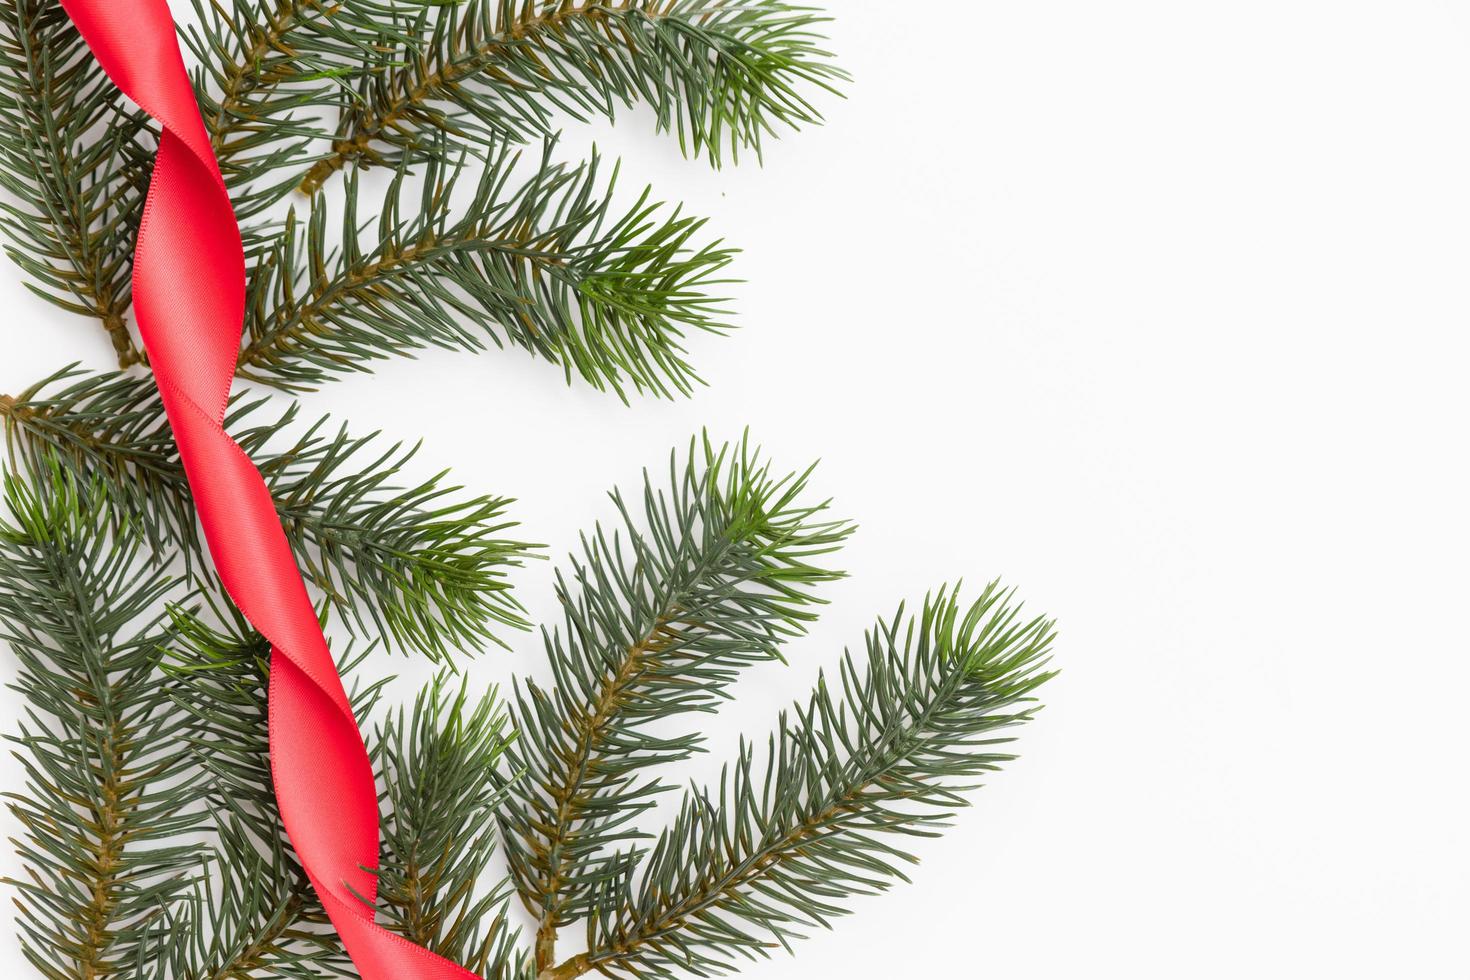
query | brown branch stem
[570, 970]
[244, 75]
[658, 639]
[127, 352]
[105, 867]
[253, 957]
[754, 864]
[306, 318]
[368, 129]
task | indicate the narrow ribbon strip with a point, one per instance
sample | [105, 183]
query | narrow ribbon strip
[189, 294]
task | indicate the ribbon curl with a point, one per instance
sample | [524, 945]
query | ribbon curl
[189, 294]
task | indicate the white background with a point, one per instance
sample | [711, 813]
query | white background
[1158, 311]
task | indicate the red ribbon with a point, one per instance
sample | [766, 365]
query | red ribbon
[189, 294]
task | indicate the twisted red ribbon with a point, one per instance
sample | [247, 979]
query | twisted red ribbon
[189, 294]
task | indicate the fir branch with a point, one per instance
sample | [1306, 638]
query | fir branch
[105, 427]
[406, 563]
[720, 73]
[659, 619]
[75, 159]
[265, 70]
[252, 915]
[749, 865]
[105, 800]
[412, 564]
[438, 765]
[608, 298]
[547, 267]
[221, 666]
[257, 914]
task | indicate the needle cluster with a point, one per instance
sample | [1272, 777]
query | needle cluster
[295, 93]
[149, 837]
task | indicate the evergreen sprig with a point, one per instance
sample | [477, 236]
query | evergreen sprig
[266, 69]
[438, 768]
[660, 616]
[439, 765]
[254, 913]
[699, 580]
[416, 564]
[720, 73]
[106, 810]
[547, 266]
[769, 852]
[546, 261]
[151, 839]
[75, 159]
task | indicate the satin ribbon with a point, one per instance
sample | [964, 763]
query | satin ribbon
[189, 294]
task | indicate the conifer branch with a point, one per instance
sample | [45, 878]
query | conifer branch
[439, 769]
[659, 619]
[437, 766]
[660, 615]
[547, 266]
[256, 913]
[749, 865]
[105, 802]
[407, 563]
[720, 73]
[75, 160]
[606, 298]
[252, 915]
[265, 70]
